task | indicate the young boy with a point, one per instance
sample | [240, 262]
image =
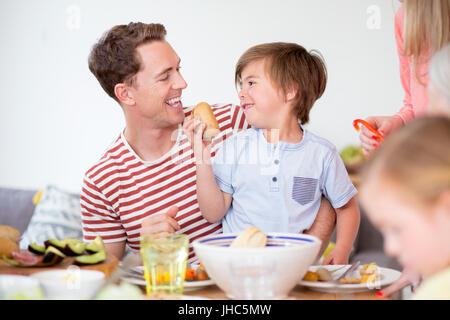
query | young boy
[273, 175]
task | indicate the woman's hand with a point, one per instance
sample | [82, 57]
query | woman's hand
[407, 278]
[194, 129]
[384, 125]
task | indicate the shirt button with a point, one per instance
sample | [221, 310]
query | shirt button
[277, 161]
[274, 179]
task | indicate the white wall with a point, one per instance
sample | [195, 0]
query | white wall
[55, 120]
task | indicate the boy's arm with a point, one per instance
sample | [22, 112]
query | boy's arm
[347, 224]
[212, 201]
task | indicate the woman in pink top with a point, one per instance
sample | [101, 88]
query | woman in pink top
[421, 29]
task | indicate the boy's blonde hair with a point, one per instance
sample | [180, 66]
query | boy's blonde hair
[290, 66]
[417, 157]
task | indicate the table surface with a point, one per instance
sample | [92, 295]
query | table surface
[298, 293]
[107, 267]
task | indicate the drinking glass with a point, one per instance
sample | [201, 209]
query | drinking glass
[164, 256]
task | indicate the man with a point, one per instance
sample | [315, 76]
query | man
[145, 181]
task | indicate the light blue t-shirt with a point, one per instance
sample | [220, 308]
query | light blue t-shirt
[278, 187]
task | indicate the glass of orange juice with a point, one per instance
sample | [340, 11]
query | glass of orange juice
[164, 256]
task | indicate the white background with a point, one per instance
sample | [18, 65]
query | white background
[55, 120]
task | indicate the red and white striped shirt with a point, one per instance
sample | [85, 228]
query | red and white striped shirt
[121, 190]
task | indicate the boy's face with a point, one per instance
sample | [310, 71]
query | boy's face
[259, 98]
[159, 84]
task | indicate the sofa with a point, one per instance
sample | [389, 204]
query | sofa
[17, 210]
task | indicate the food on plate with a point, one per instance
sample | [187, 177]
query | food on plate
[8, 232]
[52, 252]
[350, 281]
[36, 248]
[369, 269]
[58, 244]
[89, 259]
[369, 273]
[250, 238]
[324, 274]
[311, 276]
[203, 112]
[74, 247]
[189, 275]
[96, 250]
[95, 245]
[70, 247]
[200, 274]
[7, 247]
[321, 274]
[369, 278]
[24, 258]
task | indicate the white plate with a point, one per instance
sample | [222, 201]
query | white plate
[188, 285]
[387, 277]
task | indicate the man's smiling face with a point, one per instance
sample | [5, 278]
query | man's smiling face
[158, 85]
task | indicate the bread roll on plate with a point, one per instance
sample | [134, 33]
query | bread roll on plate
[7, 246]
[203, 112]
[250, 238]
[9, 232]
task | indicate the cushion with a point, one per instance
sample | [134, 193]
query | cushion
[57, 215]
[16, 207]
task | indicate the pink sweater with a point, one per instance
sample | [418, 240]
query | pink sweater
[415, 100]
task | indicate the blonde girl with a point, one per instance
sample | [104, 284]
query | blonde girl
[411, 174]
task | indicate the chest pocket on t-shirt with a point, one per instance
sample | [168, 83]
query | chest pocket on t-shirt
[304, 189]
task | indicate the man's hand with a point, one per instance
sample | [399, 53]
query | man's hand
[164, 222]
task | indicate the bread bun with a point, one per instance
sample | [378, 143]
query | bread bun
[250, 238]
[7, 246]
[9, 232]
[203, 112]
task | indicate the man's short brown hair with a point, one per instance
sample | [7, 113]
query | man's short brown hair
[288, 66]
[113, 58]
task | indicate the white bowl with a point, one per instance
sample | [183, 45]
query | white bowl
[71, 283]
[14, 287]
[281, 264]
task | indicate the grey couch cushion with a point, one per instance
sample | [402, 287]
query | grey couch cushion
[16, 207]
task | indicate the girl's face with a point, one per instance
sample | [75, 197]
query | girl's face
[417, 235]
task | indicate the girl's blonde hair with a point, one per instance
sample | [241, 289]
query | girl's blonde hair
[427, 27]
[416, 157]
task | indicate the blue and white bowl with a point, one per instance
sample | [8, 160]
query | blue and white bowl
[286, 258]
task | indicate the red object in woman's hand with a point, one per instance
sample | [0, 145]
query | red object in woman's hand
[368, 126]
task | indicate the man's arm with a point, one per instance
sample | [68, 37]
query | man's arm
[115, 248]
[324, 224]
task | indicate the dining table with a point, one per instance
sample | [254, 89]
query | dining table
[298, 293]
